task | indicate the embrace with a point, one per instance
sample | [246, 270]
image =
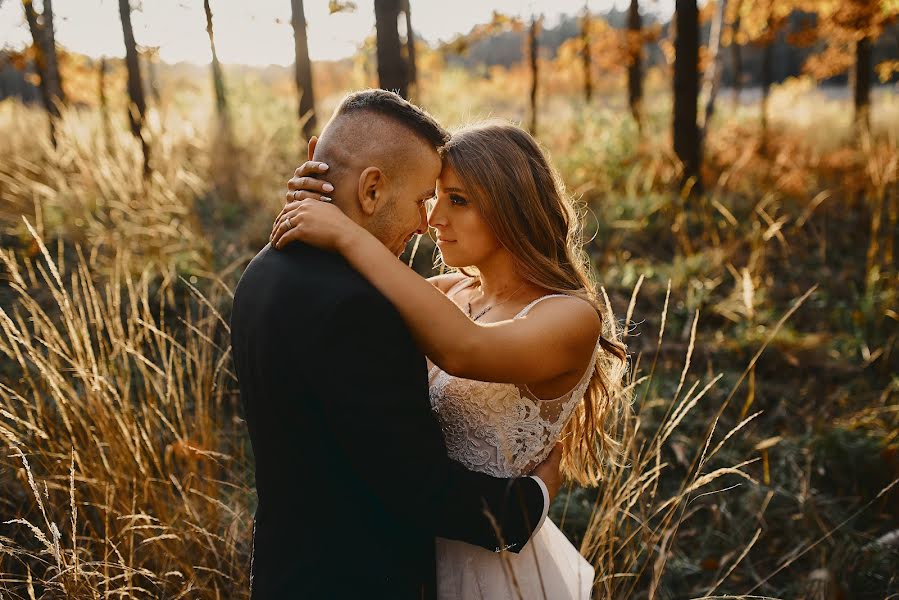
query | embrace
[410, 434]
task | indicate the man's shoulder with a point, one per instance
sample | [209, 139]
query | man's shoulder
[306, 277]
[301, 266]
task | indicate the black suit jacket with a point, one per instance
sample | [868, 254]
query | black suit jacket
[352, 473]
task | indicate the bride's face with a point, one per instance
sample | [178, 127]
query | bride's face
[463, 236]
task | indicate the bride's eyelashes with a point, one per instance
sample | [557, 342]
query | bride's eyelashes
[458, 200]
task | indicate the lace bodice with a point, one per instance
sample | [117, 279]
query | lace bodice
[501, 429]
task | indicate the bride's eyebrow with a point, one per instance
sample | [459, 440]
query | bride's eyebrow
[454, 190]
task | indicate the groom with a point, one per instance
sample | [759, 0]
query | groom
[352, 475]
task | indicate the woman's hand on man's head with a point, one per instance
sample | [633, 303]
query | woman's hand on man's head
[304, 185]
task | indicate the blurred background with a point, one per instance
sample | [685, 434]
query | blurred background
[735, 163]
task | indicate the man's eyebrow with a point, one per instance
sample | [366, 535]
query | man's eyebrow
[426, 195]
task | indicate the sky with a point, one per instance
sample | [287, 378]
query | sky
[258, 32]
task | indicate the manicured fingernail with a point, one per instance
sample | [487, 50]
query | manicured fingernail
[327, 199]
[323, 167]
[328, 187]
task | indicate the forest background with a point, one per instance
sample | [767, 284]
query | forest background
[735, 161]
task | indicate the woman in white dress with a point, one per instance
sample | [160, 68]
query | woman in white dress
[515, 338]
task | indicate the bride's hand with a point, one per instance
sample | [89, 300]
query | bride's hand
[317, 223]
[305, 184]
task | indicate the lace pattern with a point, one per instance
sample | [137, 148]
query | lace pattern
[501, 429]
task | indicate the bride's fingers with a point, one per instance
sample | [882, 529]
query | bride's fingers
[309, 184]
[280, 219]
[310, 167]
[294, 200]
[294, 196]
[292, 205]
[282, 226]
[288, 222]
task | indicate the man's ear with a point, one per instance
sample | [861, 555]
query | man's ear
[372, 186]
[311, 147]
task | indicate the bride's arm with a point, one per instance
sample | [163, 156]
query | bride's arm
[526, 351]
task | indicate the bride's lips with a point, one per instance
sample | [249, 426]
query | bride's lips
[441, 241]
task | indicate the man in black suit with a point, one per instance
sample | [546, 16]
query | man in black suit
[352, 474]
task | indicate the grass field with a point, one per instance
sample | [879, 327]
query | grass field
[762, 320]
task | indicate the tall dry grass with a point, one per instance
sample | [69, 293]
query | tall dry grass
[125, 470]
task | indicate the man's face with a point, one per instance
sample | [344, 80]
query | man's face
[404, 214]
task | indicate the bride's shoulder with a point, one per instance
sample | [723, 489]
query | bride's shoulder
[445, 283]
[567, 313]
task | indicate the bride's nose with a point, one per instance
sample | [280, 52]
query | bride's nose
[436, 217]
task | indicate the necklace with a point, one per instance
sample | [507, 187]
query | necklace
[486, 310]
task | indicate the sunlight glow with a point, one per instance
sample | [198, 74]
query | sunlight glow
[259, 32]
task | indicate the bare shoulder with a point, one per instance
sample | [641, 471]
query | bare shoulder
[572, 317]
[444, 283]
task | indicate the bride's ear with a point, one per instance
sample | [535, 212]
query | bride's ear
[372, 184]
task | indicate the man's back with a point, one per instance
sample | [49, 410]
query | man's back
[352, 474]
[299, 332]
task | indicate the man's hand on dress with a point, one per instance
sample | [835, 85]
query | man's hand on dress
[548, 471]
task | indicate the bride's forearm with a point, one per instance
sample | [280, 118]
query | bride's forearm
[446, 335]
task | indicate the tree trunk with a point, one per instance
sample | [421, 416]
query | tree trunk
[218, 80]
[712, 77]
[50, 51]
[736, 56]
[686, 93]
[861, 84]
[50, 85]
[585, 54]
[635, 69]
[104, 105]
[767, 57]
[393, 73]
[303, 69]
[137, 106]
[532, 55]
[410, 47]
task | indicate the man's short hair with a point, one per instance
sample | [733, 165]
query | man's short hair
[397, 109]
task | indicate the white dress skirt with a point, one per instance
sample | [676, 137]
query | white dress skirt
[549, 567]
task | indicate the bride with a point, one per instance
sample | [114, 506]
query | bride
[517, 358]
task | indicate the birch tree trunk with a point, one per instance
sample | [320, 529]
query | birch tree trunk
[712, 78]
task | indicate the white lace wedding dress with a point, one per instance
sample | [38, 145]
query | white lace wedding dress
[504, 430]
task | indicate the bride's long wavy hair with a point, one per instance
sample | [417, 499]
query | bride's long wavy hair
[524, 202]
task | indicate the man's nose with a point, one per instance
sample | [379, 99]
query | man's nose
[422, 221]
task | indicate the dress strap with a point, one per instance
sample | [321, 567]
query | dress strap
[459, 286]
[527, 309]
